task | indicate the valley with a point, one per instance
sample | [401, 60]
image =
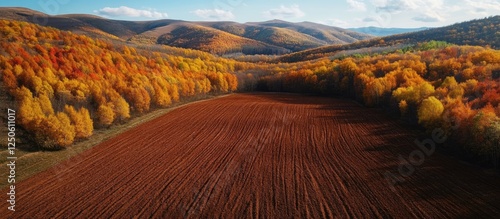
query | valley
[259, 155]
[299, 119]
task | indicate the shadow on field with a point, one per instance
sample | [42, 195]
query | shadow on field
[291, 98]
[417, 167]
[404, 168]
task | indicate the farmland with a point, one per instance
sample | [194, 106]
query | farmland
[260, 156]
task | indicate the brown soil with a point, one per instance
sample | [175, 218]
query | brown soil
[259, 156]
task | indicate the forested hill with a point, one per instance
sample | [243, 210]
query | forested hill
[481, 32]
[271, 37]
[64, 85]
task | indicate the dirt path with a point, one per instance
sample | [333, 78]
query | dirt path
[259, 156]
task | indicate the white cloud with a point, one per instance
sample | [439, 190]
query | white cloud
[419, 10]
[428, 17]
[398, 6]
[124, 11]
[356, 5]
[214, 14]
[482, 6]
[379, 20]
[335, 23]
[285, 12]
[369, 19]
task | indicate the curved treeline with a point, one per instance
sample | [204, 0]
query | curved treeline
[66, 84]
[456, 88]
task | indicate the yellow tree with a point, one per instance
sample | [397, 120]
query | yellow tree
[121, 108]
[29, 110]
[414, 94]
[105, 115]
[142, 100]
[80, 120]
[232, 82]
[452, 87]
[66, 132]
[374, 91]
[55, 131]
[173, 91]
[430, 111]
[45, 104]
[161, 98]
[9, 80]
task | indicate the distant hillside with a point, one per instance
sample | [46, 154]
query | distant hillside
[271, 37]
[379, 31]
[59, 22]
[189, 35]
[481, 32]
[316, 32]
[83, 23]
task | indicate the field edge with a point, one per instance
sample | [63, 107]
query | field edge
[31, 163]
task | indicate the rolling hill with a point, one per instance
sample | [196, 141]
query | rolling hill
[479, 32]
[271, 37]
[189, 35]
[324, 33]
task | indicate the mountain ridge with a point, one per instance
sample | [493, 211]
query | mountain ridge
[381, 31]
[269, 37]
[477, 32]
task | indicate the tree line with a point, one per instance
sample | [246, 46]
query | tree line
[455, 88]
[67, 84]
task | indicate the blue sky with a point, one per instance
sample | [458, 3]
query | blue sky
[342, 13]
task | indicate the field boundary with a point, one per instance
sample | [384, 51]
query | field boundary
[31, 163]
[261, 155]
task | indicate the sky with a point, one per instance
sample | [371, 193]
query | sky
[341, 13]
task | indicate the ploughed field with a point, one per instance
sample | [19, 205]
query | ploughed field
[261, 156]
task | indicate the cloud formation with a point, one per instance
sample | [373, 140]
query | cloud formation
[214, 14]
[335, 23]
[428, 17]
[369, 19]
[398, 6]
[482, 6]
[395, 6]
[425, 10]
[283, 12]
[124, 11]
[356, 5]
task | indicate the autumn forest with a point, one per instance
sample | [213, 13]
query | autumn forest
[66, 85]
[124, 112]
